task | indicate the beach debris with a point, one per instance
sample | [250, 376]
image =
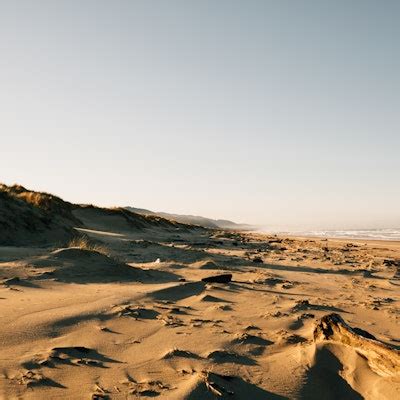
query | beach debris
[306, 316]
[382, 358]
[391, 263]
[223, 278]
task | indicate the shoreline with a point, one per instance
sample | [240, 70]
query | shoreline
[381, 243]
[366, 242]
[319, 237]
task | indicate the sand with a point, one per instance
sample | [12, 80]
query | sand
[140, 322]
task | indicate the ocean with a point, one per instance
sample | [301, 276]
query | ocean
[372, 234]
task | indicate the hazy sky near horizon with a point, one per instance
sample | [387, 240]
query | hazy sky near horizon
[281, 113]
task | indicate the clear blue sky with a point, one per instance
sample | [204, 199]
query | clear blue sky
[283, 113]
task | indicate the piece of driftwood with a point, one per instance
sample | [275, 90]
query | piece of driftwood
[382, 358]
[224, 278]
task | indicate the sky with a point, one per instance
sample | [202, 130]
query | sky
[280, 113]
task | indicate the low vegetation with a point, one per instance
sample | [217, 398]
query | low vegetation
[84, 243]
[52, 205]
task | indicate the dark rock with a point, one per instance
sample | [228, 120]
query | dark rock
[224, 278]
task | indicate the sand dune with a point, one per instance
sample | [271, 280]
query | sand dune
[28, 217]
[36, 218]
[133, 318]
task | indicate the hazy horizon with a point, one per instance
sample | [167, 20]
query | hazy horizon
[281, 114]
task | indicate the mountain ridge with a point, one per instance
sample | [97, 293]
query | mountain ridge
[194, 219]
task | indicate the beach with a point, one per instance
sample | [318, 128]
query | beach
[199, 200]
[138, 321]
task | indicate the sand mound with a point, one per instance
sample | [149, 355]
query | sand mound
[84, 266]
[324, 379]
[174, 353]
[205, 264]
[148, 251]
[208, 385]
[75, 253]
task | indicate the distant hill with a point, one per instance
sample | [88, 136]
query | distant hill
[120, 219]
[194, 220]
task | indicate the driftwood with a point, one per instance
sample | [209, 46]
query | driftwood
[224, 278]
[382, 358]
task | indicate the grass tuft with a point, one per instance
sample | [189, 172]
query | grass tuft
[84, 243]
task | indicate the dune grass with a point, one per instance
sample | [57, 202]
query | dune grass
[84, 243]
[37, 199]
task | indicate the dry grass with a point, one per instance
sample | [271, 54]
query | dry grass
[37, 199]
[42, 200]
[84, 243]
